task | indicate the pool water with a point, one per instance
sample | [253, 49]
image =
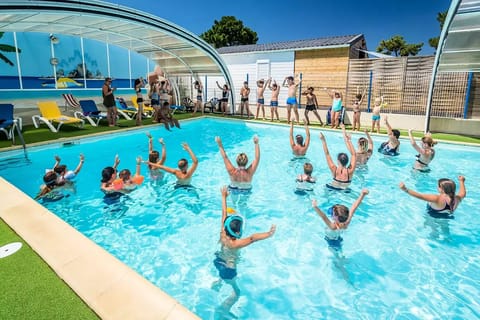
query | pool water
[397, 262]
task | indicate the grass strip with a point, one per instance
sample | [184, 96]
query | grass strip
[30, 289]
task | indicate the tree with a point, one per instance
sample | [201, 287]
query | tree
[6, 48]
[229, 32]
[399, 47]
[441, 16]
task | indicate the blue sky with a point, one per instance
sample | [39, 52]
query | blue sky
[280, 20]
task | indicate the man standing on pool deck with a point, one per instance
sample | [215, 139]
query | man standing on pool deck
[261, 85]
[231, 227]
[289, 82]
[241, 177]
[275, 88]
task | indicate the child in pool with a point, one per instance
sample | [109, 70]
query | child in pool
[51, 183]
[231, 228]
[364, 149]
[305, 181]
[339, 220]
[130, 183]
[61, 170]
[154, 157]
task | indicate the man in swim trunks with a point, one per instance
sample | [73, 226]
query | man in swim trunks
[275, 88]
[378, 105]
[244, 93]
[292, 86]
[240, 177]
[299, 147]
[231, 241]
[261, 85]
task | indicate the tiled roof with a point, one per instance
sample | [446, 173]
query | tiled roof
[295, 44]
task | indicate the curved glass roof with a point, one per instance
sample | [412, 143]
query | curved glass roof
[176, 50]
[459, 45]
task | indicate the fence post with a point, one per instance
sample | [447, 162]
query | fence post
[369, 91]
[467, 95]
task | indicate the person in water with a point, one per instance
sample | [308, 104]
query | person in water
[49, 190]
[154, 157]
[65, 175]
[305, 181]
[337, 219]
[299, 146]
[342, 172]
[364, 149]
[130, 183]
[426, 153]
[109, 175]
[183, 173]
[443, 204]
[241, 176]
[392, 146]
[231, 241]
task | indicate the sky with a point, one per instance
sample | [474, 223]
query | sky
[415, 20]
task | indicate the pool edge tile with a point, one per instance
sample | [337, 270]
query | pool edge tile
[50, 237]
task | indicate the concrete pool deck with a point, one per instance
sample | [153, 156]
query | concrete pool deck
[108, 286]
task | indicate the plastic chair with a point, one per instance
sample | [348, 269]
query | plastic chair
[90, 112]
[50, 113]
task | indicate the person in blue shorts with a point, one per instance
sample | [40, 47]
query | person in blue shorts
[275, 88]
[292, 103]
[337, 219]
[231, 231]
[261, 86]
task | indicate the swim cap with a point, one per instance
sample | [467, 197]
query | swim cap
[228, 228]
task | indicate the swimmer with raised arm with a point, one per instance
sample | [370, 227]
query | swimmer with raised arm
[67, 175]
[426, 153]
[364, 149]
[154, 157]
[342, 172]
[241, 176]
[298, 145]
[337, 219]
[231, 241]
[183, 173]
[392, 146]
[443, 204]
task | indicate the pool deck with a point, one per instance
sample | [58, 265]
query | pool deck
[108, 286]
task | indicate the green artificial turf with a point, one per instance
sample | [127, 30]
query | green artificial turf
[33, 135]
[29, 289]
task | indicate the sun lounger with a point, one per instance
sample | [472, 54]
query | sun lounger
[147, 111]
[71, 101]
[8, 121]
[50, 113]
[90, 112]
[124, 110]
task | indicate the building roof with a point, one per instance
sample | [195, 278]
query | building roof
[459, 45]
[176, 50]
[335, 41]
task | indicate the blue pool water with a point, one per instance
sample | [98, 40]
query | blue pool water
[398, 263]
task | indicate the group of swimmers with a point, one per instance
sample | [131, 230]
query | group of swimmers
[336, 219]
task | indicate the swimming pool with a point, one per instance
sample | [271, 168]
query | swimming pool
[399, 263]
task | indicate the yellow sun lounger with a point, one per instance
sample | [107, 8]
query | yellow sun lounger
[147, 111]
[50, 113]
